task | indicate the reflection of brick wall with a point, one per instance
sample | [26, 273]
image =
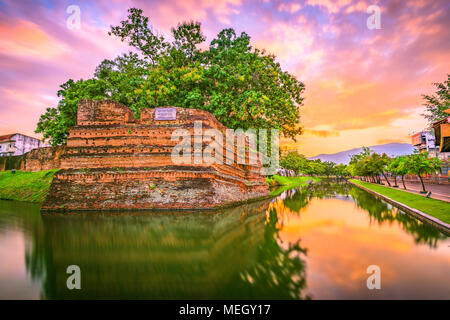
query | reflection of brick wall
[160, 244]
[113, 161]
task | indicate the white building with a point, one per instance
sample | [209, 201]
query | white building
[16, 144]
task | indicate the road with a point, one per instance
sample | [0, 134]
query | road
[438, 191]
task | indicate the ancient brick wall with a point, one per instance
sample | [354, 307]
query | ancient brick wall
[44, 158]
[35, 160]
[113, 161]
[12, 162]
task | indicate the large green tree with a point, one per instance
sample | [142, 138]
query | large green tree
[436, 104]
[55, 122]
[329, 168]
[243, 87]
[358, 165]
[342, 170]
[370, 165]
[397, 167]
[420, 164]
[378, 164]
[294, 161]
[297, 162]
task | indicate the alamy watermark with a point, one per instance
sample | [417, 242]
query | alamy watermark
[73, 22]
[374, 280]
[374, 20]
[74, 280]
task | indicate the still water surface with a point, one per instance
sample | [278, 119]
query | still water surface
[303, 244]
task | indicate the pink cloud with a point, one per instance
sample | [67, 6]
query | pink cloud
[289, 7]
[356, 79]
[332, 6]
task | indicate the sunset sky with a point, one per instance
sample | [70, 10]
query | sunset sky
[363, 87]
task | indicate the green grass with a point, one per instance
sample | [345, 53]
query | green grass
[25, 186]
[436, 208]
[289, 181]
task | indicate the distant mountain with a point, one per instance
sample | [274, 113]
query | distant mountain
[391, 149]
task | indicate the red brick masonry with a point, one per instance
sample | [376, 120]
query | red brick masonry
[113, 161]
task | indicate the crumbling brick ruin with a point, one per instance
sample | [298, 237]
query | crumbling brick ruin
[113, 161]
[46, 158]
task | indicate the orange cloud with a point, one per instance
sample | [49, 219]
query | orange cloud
[322, 133]
[399, 140]
[25, 38]
[362, 86]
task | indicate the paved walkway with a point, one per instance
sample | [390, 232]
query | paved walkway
[438, 191]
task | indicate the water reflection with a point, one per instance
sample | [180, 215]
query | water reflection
[306, 243]
[380, 212]
[230, 254]
[345, 230]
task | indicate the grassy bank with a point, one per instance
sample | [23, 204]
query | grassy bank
[277, 180]
[436, 208]
[25, 186]
[285, 183]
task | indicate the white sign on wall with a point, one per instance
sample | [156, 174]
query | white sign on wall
[165, 114]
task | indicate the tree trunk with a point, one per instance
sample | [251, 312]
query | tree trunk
[421, 181]
[395, 181]
[403, 181]
[389, 184]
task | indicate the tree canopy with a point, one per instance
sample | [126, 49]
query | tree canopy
[420, 164]
[371, 165]
[436, 104]
[242, 86]
[300, 165]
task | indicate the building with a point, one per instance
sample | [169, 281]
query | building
[425, 141]
[16, 144]
[436, 142]
[442, 133]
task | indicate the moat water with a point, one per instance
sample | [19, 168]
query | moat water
[302, 244]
